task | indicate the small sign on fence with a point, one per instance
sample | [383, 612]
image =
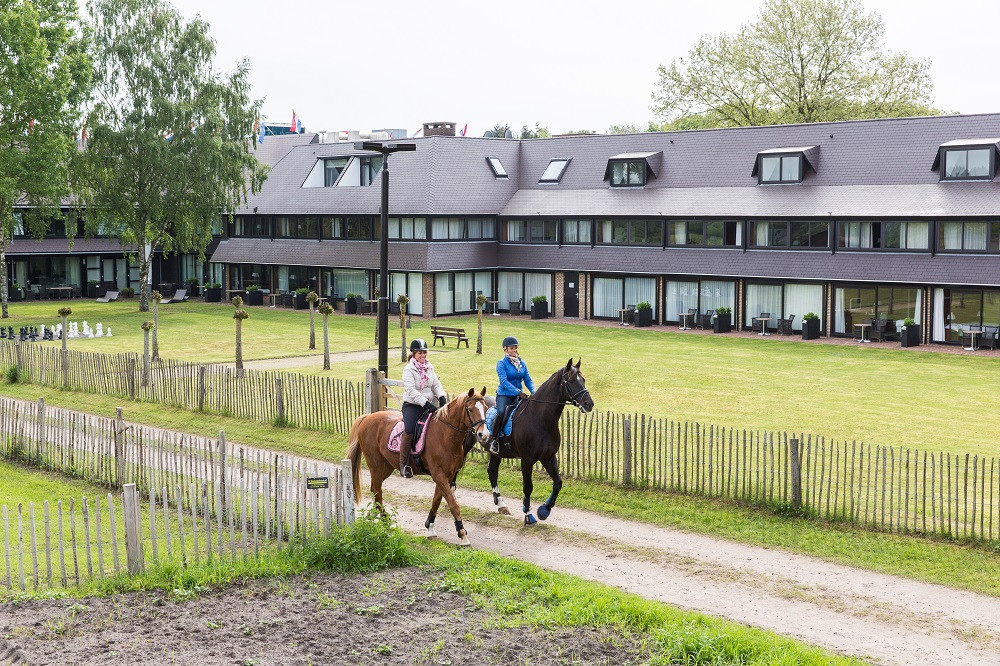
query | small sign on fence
[317, 482]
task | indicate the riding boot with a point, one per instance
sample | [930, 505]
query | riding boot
[405, 443]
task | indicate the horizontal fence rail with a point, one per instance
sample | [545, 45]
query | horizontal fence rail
[317, 403]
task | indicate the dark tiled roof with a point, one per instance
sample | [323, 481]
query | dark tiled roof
[24, 246]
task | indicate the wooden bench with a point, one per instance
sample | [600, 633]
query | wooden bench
[442, 332]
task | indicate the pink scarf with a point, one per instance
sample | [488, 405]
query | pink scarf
[423, 369]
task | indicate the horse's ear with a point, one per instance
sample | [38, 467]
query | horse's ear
[578, 363]
[484, 392]
[472, 392]
[569, 364]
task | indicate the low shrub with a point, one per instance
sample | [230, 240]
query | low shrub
[644, 305]
[372, 543]
[539, 299]
[14, 376]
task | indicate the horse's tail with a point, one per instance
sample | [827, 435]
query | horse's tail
[354, 455]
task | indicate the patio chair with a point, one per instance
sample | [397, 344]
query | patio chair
[515, 308]
[785, 325]
[179, 297]
[108, 297]
[394, 308]
[629, 314]
[878, 330]
[364, 307]
[967, 339]
[988, 338]
[705, 320]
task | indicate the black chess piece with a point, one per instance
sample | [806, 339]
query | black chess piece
[10, 332]
[3, 333]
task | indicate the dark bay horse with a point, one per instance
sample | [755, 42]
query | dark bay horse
[534, 435]
[443, 455]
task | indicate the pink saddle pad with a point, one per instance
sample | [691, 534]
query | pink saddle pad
[396, 435]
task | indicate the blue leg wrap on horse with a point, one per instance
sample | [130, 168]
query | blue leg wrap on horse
[525, 508]
[543, 512]
[529, 519]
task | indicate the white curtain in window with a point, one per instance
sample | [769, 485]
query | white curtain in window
[739, 233]
[761, 234]
[717, 294]
[344, 282]
[455, 227]
[916, 310]
[397, 286]
[763, 298]
[938, 328]
[975, 235]
[803, 298]
[681, 296]
[537, 284]
[509, 289]
[484, 285]
[604, 231]
[859, 234]
[443, 295]
[415, 290]
[515, 230]
[952, 235]
[283, 279]
[73, 273]
[439, 228]
[607, 297]
[464, 299]
[838, 310]
[638, 290]
[917, 236]
[680, 233]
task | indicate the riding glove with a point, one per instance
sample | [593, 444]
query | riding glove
[442, 401]
[430, 408]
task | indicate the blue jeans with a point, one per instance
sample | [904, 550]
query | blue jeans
[503, 403]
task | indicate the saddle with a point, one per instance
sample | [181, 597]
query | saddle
[503, 437]
[419, 440]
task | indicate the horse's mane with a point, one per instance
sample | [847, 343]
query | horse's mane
[442, 412]
[554, 378]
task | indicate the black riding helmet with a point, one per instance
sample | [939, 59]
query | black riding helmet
[418, 344]
[509, 341]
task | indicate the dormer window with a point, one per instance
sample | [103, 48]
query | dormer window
[554, 171]
[632, 169]
[332, 169]
[496, 166]
[967, 159]
[784, 165]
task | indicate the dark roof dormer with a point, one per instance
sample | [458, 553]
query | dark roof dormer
[785, 165]
[967, 159]
[632, 169]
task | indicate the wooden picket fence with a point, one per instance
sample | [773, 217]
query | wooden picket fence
[317, 403]
[175, 491]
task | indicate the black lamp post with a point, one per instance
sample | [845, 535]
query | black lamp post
[383, 297]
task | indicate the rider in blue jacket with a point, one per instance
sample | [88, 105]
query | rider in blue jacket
[511, 370]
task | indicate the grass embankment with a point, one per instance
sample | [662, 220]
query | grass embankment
[891, 397]
[965, 566]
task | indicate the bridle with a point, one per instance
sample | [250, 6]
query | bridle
[468, 414]
[565, 388]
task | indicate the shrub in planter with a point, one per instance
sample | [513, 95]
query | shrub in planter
[128, 292]
[213, 293]
[93, 289]
[254, 295]
[909, 335]
[643, 314]
[539, 307]
[192, 286]
[723, 321]
[300, 298]
[351, 303]
[810, 326]
[16, 294]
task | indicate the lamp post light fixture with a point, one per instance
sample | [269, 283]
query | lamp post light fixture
[383, 297]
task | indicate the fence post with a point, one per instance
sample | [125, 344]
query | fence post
[40, 442]
[64, 353]
[131, 377]
[130, 509]
[201, 388]
[119, 448]
[627, 451]
[796, 465]
[279, 398]
[347, 499]
[18, 360]
[222, 470]
[372, 391]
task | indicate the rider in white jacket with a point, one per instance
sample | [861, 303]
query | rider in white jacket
[422, 391]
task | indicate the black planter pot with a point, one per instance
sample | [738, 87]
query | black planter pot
[93, 291]
[909, 336]
[644, 318]
[351, 306]
[540, 310]
[723, 323]
[255, 297]
[193, 290]
[300, 302]
[14, 296]
[810, 329]
[213, 294]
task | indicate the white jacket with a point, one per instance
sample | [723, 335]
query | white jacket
[411, 382]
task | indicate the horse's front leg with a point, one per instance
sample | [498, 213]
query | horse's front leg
[429, 523]
[526, 467]
[493, 470]
[444, 488]
[552, 467]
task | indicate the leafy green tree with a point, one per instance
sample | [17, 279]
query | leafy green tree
[171, 139]
[46, 77]
[626, 129]
[499, 130]
[802, 61]
[538, 133]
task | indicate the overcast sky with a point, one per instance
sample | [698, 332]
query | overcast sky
[566, 65]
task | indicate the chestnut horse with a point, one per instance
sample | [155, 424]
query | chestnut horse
[534, 436]
[442, 458]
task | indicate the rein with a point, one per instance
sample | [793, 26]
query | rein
[472, 423]
[563, 386]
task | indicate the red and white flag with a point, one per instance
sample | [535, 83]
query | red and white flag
[464, 129]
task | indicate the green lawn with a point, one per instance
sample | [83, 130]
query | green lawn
[894, 397]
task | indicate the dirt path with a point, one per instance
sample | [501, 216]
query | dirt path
[888, 619]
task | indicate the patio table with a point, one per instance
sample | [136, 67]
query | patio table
[863, 327]
[682, 316]
[763, 324]
[972, 333]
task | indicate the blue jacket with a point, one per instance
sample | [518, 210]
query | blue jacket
[511, 378]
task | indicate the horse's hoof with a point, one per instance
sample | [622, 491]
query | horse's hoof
[504, 510]
[543, 512]
[529, 519]
[465, 543]
[431, 534]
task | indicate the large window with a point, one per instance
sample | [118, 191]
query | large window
[299, 226]
[554, 171]
[968, 236]
[408, 228]
[480, 227]
[332, 169]
[955, 310]
[762, 298]
[522, 287]
[630, 232]
[349, 281]
[530, 231]
[790, 234]
[883, 235]
[370, 166]
[968, 164]
[252, 226]
[628, 173]
[713, 233]
[701, 295]
[410, 284]
[447, 228]
[853, 304]
[577, 231]
[780, 169]
[347, 227]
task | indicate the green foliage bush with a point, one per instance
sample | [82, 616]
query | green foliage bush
[372, 543]
[539, 299]
[13, 376]
[644, 305]
[723, 310]
[302, 290]
[810, 316]
[909, 322]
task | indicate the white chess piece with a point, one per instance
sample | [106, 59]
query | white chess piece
[100, 330]
[41, 331]
[108, 333]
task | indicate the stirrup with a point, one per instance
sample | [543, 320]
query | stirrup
[406, 472]
[494, 447]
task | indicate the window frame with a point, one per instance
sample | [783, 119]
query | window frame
[641, 163]
[752, 235]
[704, 232]
[557, 178]
[842, 224]
[943, 173]
[629, 223]
[991, 224]
[781, 168]
[497, 167]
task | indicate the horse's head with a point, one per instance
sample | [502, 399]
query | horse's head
[574, 387]
[470, 408]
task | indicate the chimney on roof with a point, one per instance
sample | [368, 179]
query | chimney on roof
[439, 129]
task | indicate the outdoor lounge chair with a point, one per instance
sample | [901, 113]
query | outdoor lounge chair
[179, 297]
[108, 297]
[785, 325]
[878, 330]
[515, 308]
[705, 320]
[988, 338]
